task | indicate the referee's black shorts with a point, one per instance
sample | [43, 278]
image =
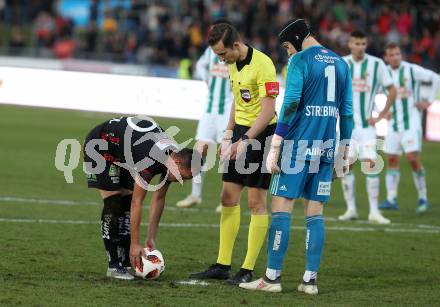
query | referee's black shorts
[256, 179]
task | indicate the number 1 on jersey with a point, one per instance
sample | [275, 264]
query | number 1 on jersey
[331, 86]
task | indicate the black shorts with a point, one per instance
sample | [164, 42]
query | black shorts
[113, 178]
[256, 179]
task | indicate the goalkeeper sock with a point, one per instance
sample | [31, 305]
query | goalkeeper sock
[278, 240]
[392, 183]
[229, 225]
[420, 183]
[110, 228]
[256, 237]
[124, 231]
[314, 242]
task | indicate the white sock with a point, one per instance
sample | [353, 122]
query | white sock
[197, 184]
[392, 183]
[310, 275]
[273, 274]
[420, 183]
[348, 190]
[373, 185]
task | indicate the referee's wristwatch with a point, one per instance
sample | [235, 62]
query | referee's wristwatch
[245, 137]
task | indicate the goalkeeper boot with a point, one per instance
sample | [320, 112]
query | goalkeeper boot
[263, 284]
[242, 276]
[309, 287]
[215, 271]
[189, 201]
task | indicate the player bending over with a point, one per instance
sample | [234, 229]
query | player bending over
[131, 151]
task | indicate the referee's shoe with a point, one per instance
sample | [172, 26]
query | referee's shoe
[215, 271]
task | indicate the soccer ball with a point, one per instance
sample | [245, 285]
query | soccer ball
[152, 265]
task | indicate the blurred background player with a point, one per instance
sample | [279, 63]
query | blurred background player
[318, 88]
[254, 86]
[405, 126]
[215, 117]
[122, 195]
[368, 74]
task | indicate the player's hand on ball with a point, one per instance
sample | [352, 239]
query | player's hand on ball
[150, 245]
[136, 252]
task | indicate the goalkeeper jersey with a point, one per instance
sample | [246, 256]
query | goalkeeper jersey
[407, 79]
[215, 73]
[367, 75]
[318, 91]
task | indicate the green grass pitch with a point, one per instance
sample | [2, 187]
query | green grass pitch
[52, 255]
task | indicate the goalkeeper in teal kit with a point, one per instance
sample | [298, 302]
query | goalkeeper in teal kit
[302, 154]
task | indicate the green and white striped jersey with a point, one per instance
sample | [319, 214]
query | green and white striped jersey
[407, 79]
[368, 75]
[215, 73]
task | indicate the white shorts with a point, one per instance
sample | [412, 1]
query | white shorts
[406, 141]
[363, 144]
[211, 127]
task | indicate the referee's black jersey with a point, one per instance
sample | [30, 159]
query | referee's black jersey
[140, 144]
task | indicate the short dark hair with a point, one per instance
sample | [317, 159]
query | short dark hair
[391, 45]
[225, 33]
[190, 159]
[358, 34]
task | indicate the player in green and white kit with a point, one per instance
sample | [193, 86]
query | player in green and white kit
[368, 74]
[405, 125]
[215, 117]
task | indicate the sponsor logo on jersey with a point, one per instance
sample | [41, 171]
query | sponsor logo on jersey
[91, 177]
[403, 92]
[272, 88]
[324, 188]
[219, 70]
[361, 85]
[245, 95]
[322, 111]
[326, 58]
[317, 152]
[113, 171]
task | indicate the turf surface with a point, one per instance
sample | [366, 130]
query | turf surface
[52, 253]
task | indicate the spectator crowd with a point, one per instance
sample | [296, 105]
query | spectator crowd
[165, 32]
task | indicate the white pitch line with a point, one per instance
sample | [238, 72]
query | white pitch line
[191, 225]
[60, 202]
[193, 283]
[171, 208]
